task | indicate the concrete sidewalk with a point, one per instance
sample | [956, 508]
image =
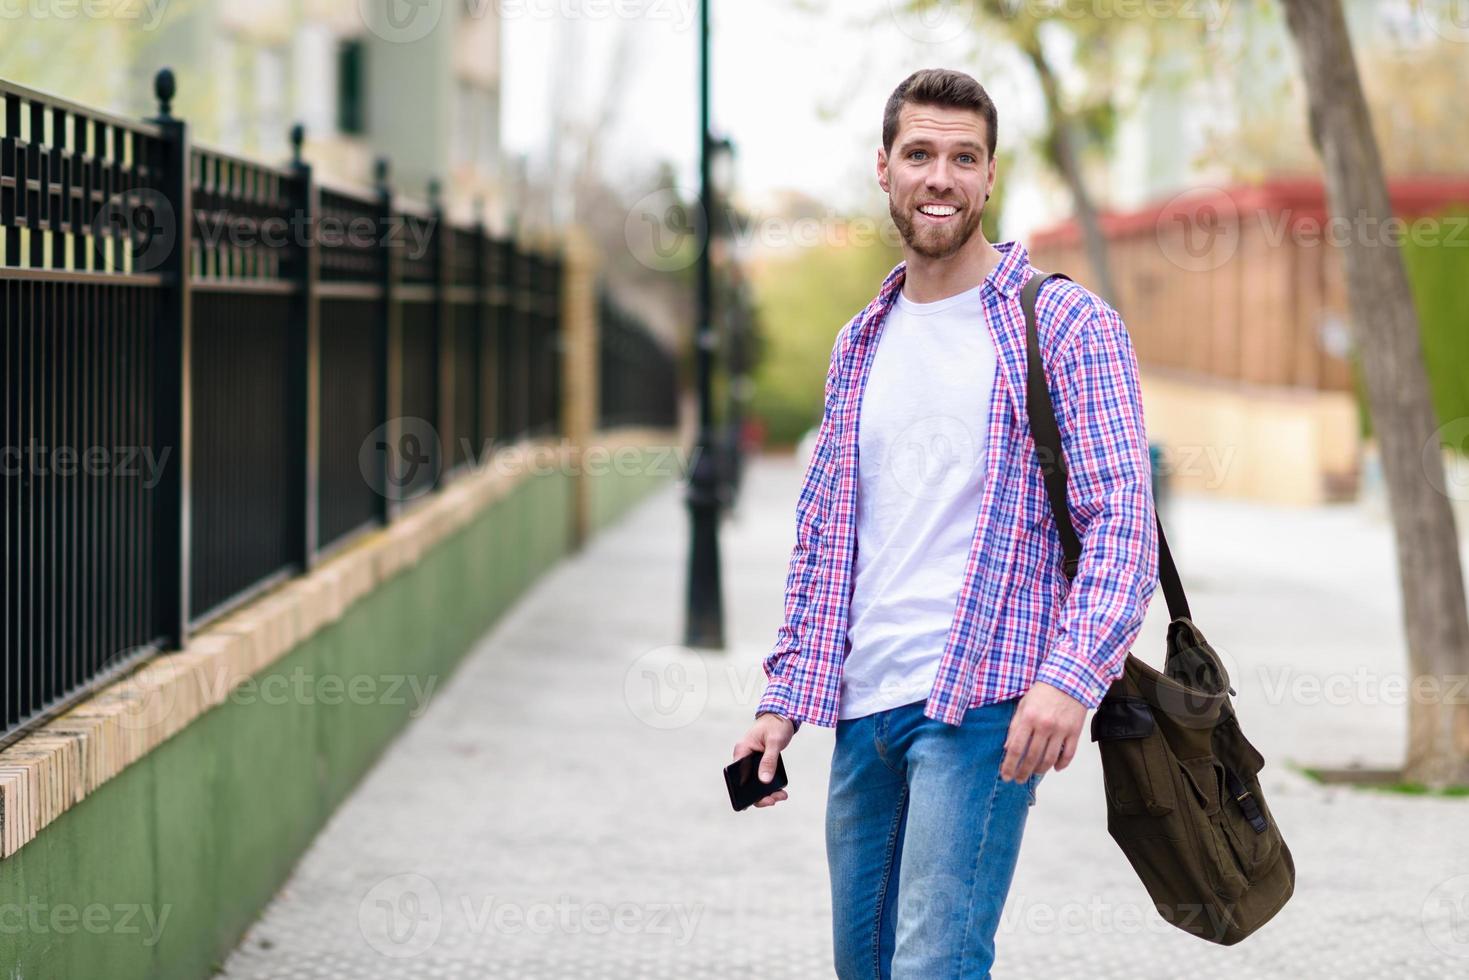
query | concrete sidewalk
[559, 812]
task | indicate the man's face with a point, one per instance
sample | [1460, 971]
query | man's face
[937, 177]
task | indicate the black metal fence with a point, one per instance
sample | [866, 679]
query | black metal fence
[638, 376]
[217, 371]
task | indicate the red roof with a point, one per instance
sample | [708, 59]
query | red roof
[1302, 198]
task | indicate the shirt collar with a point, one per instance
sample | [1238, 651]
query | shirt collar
[1010, 274]
[1006, 277]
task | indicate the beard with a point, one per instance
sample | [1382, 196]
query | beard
[936, 242]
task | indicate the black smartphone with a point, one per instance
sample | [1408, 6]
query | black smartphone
[742, 777]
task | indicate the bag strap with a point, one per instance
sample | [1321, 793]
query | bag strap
[1047, 435]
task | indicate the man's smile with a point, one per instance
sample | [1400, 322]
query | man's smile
[938, 212]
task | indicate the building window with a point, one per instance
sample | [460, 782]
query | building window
[476, 130]
[463, 136]
[350, 109]
[270, 101]
[227, 93]
[315, 73]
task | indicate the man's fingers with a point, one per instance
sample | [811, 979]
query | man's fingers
[1034, 753]
[1046, 761]
[767, 763]
[1015, 745]
[1068, 752]
[773, 798]
[1045, 745]
[1044, 733]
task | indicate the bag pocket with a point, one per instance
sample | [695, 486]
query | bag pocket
[1209, 821]
[1234, 750]
[1255, 849]
[1135, 760]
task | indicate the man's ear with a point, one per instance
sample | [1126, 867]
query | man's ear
[882, 170]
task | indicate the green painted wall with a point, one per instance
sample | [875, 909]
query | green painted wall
[207, 827]
[626, 477]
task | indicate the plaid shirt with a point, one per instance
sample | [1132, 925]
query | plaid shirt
[1017, 620]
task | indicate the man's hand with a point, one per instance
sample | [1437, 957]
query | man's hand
[769, 735]
[1043, 733]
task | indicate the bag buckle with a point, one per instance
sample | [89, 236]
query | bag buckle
[1246, 801]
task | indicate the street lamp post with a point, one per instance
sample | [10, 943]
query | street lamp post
[704, 623]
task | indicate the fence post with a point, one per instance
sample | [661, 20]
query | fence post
[305, 352]
[522, 312]
[444, 329]
[172, 380]
[556, 325]
[484, 431]
[390, 338]
[579, 366]
[491, 295]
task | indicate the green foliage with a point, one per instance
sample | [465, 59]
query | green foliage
[1438, 271]
[802, 302]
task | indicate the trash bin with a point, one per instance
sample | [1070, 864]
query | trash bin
[1160, 478]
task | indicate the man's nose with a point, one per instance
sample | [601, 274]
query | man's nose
[940, 177]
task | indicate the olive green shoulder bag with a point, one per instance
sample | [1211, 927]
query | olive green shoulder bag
[1183, 794]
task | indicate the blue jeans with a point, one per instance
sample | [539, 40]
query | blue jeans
[922, 836]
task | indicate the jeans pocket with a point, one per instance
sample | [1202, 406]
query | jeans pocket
[1030, 787]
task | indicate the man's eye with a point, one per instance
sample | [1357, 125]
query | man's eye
[916, 154]
[966, 158]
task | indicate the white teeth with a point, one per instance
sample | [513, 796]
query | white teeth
[938, 210]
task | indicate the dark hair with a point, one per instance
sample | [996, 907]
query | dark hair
[939, 87]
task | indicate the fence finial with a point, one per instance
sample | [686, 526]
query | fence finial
[298, 136]
[164, 88]
[380, 171]
[435, 191]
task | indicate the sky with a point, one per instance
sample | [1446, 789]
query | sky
[798, 86]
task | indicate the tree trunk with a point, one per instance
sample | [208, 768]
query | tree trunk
[1068, 160]
[1385, 329]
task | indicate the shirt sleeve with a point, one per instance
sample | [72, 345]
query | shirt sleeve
[811, 505]
[1110, 494]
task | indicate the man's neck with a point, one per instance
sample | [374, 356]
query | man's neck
[928, 280]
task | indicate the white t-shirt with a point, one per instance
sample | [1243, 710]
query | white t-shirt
[921, 466]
